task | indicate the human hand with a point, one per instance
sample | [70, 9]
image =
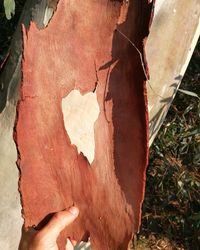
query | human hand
[46, 238]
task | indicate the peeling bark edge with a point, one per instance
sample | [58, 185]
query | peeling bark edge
[149, 19]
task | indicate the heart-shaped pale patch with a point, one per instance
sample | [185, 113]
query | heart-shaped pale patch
[80, 113]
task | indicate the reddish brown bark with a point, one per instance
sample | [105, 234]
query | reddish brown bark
[82, 47]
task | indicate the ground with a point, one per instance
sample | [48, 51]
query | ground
[171, 209]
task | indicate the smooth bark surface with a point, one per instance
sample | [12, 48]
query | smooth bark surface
[173, 37]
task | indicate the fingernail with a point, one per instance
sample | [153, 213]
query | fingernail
[74, 211]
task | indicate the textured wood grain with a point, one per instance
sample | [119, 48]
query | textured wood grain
[82, 49]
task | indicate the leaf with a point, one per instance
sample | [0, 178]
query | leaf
[194, 131]
[9, 6]
[187, 92]
[180, 183]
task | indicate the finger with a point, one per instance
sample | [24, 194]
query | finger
[58, 222]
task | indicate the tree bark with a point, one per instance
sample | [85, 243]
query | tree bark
[10, 77]
[82, 55]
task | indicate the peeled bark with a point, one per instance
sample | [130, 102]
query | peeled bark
[170, 23]
[91, 47]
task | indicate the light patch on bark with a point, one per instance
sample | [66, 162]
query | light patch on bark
[80, 113]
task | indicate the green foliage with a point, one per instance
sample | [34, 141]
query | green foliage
[8, 27]
[9, 6]
[187, 92]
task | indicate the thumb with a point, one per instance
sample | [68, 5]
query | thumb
[58, 222]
